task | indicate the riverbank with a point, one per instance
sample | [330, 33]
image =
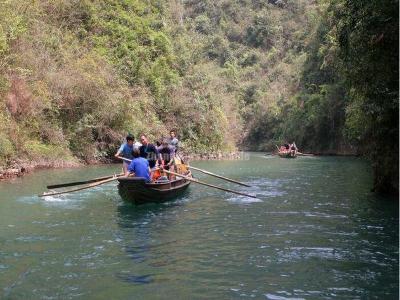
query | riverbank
[19, 168]
[320, 154]
[238, 155]
[340, 150]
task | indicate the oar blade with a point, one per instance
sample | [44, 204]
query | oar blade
[219, 176]
[55, 186]
[210, 185]
[80, 188]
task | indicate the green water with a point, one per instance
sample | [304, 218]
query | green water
[316, 233]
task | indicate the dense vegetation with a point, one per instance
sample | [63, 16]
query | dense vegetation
[76, 76]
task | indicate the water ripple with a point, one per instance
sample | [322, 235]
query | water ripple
[136, 279]
[276, 297]
[315, 233]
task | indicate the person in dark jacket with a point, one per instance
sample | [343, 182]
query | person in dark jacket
[148, 151]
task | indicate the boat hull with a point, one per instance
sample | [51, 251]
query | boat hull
[287, 155]
[137, 191]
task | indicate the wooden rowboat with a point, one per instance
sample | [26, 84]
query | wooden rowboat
[136, 190]
[287, 154]
[139, 191]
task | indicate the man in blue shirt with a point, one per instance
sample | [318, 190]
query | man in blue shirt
[125, 151]
[139, 166]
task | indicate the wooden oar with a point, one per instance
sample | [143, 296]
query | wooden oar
[55, 186]
[219, 176]
[305, 154]
[210, 185]
[215, 175]
[80, 188]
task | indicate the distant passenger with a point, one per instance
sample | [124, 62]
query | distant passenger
[293, 148]
[287, 147]
[148, 151]
[125, 151]
[139, 167]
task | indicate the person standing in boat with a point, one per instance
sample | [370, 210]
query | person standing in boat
[139, 167]
[148, 151]
[293, 149]
[166, 156]
[287, 147]
[125, 151]
[173, 140]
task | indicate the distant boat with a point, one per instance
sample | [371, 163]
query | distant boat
[136, 190]
[287, 153]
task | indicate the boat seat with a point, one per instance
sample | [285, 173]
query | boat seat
[162, 179]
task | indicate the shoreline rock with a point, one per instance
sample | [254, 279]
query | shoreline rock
[11, 172]
[22, 167]
[214, 156]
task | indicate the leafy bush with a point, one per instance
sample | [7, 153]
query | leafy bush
[203, 24]
[263, 31]
[37, 150]
[6, 147]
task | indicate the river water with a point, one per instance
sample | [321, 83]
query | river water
[315, 233]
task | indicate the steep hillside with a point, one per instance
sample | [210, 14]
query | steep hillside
[76, 76]
[258, 49]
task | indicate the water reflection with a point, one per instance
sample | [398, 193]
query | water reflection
[141, 246]
[135, 279]
[139, 216]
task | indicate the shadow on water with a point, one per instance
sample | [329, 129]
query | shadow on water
[135, 279]
[138, 224]
[134, 216]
